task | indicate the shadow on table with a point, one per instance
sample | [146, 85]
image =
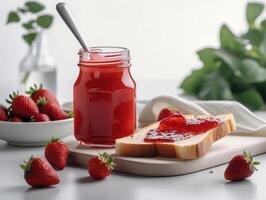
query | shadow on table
[238, 190]
[86, 179]
[32, 193]
[5, 147]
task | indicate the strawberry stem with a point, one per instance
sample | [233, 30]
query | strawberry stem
[53, 139]
[33, 89]
[70, 114]
[251, 161]
[107, 160]
[42, 101]
[12, 96]
[26, 165]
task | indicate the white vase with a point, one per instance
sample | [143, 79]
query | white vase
[38, 66]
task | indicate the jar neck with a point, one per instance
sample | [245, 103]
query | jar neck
[105, 57]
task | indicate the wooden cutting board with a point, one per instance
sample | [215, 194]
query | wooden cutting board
[221, 152]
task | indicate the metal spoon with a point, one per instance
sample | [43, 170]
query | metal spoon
[67, 17]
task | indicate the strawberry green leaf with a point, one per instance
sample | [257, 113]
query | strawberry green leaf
[256, 163]
[23, 166]
[45, 21]
[12, 17]
[34, 7]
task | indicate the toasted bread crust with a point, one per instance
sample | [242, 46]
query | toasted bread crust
[193, 150]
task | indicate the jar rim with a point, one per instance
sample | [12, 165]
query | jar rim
[108, 49]
[104, 54]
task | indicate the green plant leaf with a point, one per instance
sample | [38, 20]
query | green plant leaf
[207, 56]
[34, 6]
[250, 98]
[261, 88]
[45, 21]
[230, 59]
[215, 87]
[255, 54]
[192, 83]
[29, 38]
[22, 10]
[229, 41]
[12, 17]
[254, 36]
[28, 25]
[236, 69]
[252, 12]
[251, 71]
[263, 25]
[262, 46]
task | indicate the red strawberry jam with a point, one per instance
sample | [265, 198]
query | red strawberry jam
[166, 112]
[177, 128]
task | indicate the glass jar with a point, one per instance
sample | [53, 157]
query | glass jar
[104, 97]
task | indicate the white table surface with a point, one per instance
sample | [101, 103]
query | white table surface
[76, 184]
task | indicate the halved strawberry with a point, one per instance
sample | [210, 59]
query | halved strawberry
[36, 92]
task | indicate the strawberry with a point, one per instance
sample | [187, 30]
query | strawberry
[3, 113]
[240, 167]
[166, 112]
[36, 92]
[56, 152]
[21, 105]
[15, 119]
[40, 117]
[39, 173]
[51, 109]
[101, 166]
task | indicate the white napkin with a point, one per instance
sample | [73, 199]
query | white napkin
[246, 122]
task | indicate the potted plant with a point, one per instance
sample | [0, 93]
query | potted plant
[37, 66]
[237, 69]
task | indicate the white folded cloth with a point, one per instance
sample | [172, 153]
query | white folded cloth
[246, 122]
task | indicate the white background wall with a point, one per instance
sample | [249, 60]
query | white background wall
[163, 35]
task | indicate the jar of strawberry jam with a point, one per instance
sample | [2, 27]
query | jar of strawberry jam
[104, 97]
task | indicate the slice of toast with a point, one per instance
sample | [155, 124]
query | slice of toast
[191, 148]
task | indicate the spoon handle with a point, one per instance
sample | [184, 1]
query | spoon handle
[66, 16]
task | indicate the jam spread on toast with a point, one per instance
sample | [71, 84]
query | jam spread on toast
[177, 128]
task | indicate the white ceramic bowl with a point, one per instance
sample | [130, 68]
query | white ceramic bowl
[34, 133]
